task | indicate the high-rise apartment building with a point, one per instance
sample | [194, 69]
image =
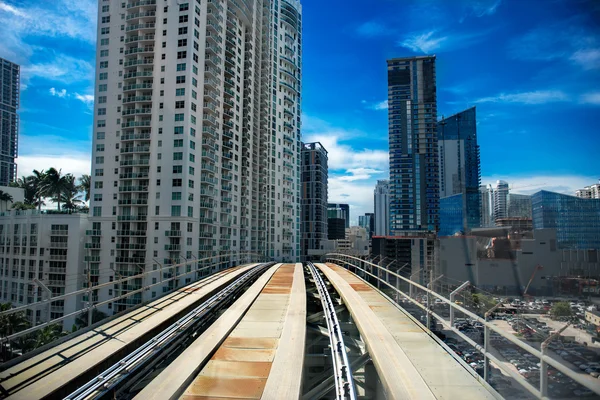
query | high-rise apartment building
[589, 192]
[38, 246]
[196, 134]
[9, 120]
[500, 197]
[313, 211]
[486, 193]
[382, 208]
[414, 171]
[459, 164]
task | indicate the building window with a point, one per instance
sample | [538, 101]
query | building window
[97, 211]
[190, 213]
[180, 104]
[102, 88]
[102, 111]
[106, 20]
[178, 130]
[179, 117]
[178, 143]
[177, 182]
[103, 53]
[180, 79]
[183, 19]
[175, 211]
[181, 67]
[100, 135]
[178, 156]
[180, 92]
[101, 100]
[176, 196]
[181, 54]
[103, 76]
[183, 30]
[177, 169]
[182, 43]
[103, 64]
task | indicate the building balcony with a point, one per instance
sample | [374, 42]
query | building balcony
[141, 14]
[56, 232]
[131, 233]
[137, 99]
[93, 232]
[141, 3]
[132, 217]
[139, 38]
[143, 161]
[136, 149]
[135, 124]
[92, 245]
[173, 233]
[135, 136]
[139, 50]
[173, 247]
[136, 111]
[59, 245]
[58, 257]
[131, 246]
[133, 188]
[136, 27]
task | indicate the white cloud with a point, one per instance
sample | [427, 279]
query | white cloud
[58, 93]
[424, 42]
[382, 105]
[86, 98]
[433, 40]
[587, 58]
[74, 163]
[534, 97]
[481, 8]
[60, 68]
[590, 98]
[12, 10]
[358, 195]
[358, 174]
[566, 184]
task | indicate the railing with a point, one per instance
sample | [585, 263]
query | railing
[212, 262]
[367, 268]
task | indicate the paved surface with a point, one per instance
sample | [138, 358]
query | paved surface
[254, 359]
[410, 364]
[49, 371]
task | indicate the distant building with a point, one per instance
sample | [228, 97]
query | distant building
[412, 116]
[335, 210]
[366, 221]
[313, 211]
[518, 206]
[500, 197]
[415, 256]
[371, 227]
[589, 192]
[9, 120]
[336, 228]
[459, 165]
[576, 220]
[382, 208]
[451, 215]
[486, 202]
[47, 246]
[356, 242]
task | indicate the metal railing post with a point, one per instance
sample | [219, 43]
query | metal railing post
[429, 306]
[544, 364]
[486, 341]
[452, 296]
[410, 288]
[49, 293]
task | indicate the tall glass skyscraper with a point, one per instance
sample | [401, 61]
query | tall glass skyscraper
[460, 171]
[9, 120]
[576, 220]
[414, 171]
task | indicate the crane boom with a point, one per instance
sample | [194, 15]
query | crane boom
[535, 270]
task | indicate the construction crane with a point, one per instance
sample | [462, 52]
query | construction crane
[535, 270]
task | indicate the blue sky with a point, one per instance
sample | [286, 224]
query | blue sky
[532, 68]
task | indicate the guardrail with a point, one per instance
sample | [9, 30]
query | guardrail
[348, 261]
[241, 257]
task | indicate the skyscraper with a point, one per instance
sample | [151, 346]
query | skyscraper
[414, 171]
[500, 200]
[196, 134]
[486, 194]
[313, 208]
[342, 211]
[382, 208]
[518, 206]
[460, 171]
[9, 120]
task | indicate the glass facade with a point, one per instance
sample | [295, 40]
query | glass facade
[9, 120]
[459, 163]
[576, 220]
[451, 215]
[412, 116]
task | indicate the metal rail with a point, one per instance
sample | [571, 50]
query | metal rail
[342, 373]
[347, 260]
[115, 375]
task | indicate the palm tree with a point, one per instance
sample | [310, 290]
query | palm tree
[70, 196]
[53, 185]
[37, 179]
[26, 183]
[12, 323]
[84, 185]
[4, 198]
[47, 335]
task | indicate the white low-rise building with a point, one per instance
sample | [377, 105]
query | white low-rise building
[48, 247]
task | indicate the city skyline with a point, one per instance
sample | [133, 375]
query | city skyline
[516, 91]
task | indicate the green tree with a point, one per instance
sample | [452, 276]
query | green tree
[84, 186]
[47, 334]
[4, 199]
[12, 323]
[561, 309]
[70, 196]
[482, 301]
[53, 185]
[29, 190]
[37, 179]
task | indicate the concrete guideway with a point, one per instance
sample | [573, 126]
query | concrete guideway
[409, 362]
[55, 371]
[255, 349]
